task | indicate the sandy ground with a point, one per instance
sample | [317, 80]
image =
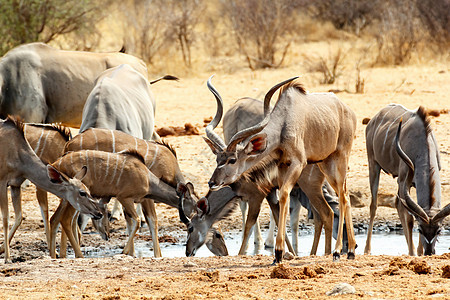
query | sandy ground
[34, 275]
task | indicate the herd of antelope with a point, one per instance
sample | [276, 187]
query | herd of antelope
[296, 151]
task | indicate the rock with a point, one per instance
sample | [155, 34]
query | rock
[281, 272]
[342, 289]
[190, 264]
[365, 121]
[288, 256]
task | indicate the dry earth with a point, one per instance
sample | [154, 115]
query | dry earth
[34, 275]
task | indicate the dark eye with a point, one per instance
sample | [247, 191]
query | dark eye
[438, 232]
[420, 230]
[83, 194]
[218, 235]
[232, 161]
[191, 229]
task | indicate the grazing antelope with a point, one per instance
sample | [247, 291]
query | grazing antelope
[122, 175]
[247, 112]
[315, 128]
[48, 142]
[42, 84]
[410, 152]
[20, 162]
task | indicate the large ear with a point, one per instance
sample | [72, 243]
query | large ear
[202, 206]
[414, 209]
[81, 174]
[444, 212]
[257, 144]
[214, 147]
[54, 175]
[181, 189]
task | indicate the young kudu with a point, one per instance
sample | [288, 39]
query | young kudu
[160, 159]
[410, 152]
[121, 175]
[48, 142]
[302, 128]
[20, 162]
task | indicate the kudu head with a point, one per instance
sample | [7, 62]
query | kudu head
[200, 231]
[102, 225]
[429, 223]
[75, 191]
[244, 147]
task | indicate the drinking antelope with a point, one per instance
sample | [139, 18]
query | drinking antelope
[121, 175]
[410, 152]
[302, 128]
[20, 162]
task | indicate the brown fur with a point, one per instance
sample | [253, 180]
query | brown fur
[17, 122]
[295, 85]
[134, 153]
[63, 130]
[167, 145]
[422, 113]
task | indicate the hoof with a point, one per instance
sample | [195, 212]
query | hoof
[350, 255]
[278, 255]
[274, 263]
[266, 246]
[336, 256]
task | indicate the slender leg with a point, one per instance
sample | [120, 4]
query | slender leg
[318, 224]
[272, 199]
[374, 179]
[133, 224]
[66, 224]
[149, 212]
[407, 223]
[335, 170]
[5, 216]
[270, 242]
[17, 205]
[420, 248]
[294, 220]
[42, 198]
[55, 220]
[252, 216]
[243, 205]
[291, 175]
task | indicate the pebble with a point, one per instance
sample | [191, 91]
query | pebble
[190, 265]
[341, 289]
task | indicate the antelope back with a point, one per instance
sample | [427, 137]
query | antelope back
[159, 158]
[109, 174]
[47, 141]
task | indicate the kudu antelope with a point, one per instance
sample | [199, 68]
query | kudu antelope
[20, 161]
[160, 159]
[247, 112]
[42, 84]
[48, 142]
[302, 128]
[122, 175]
[401, 143]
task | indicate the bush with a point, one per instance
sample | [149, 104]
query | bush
[259, 27]
[34, 20]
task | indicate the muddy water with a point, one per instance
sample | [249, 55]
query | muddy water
[382, 243]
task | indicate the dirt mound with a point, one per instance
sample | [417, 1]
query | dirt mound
[419, 266]
[284, 272]
[398, 262]
[446, 271]
[188, 129]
